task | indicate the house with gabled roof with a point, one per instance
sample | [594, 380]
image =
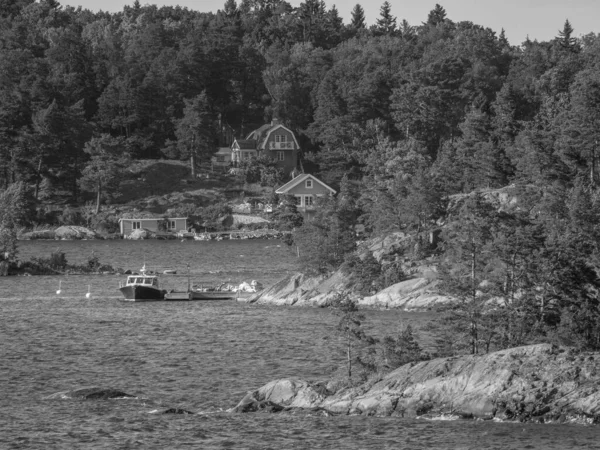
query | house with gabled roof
[273, 140]
[306, 188]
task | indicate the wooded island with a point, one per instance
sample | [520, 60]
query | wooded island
[413, 125]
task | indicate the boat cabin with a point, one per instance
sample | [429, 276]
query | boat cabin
[141, 280]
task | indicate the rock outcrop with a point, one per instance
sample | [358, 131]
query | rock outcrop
[301, 290]
[40, 234]
[413, 294]
[71, 232]
[534, 383]
[417, 293]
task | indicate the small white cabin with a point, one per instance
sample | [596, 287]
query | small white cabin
[141, 280]
[174, 225]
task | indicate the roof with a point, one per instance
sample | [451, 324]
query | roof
[257, 134]
[260, 136]
[299, 179]
[245, 144]
[273, 128]
[223, 151]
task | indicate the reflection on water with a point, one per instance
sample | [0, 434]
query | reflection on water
[200, 356]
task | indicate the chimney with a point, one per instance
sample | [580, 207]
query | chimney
[274, 122]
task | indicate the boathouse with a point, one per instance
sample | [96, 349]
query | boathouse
[172, 225]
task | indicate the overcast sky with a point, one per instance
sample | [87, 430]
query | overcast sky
[540, 19]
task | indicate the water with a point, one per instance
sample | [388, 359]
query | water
[199, 356]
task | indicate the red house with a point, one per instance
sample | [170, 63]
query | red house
[273, 140]
[306, 188]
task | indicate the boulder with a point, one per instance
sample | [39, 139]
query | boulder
[279, 395]
[538, 383]
[69, 232]
[141, 233]
[91, 393]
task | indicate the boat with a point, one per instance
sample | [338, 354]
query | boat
[224, 291]
[142, 288]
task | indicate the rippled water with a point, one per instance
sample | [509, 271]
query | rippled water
[200, 356]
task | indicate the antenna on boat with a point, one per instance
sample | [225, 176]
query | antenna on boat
[59, 287]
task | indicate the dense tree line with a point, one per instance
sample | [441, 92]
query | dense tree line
[400, 118]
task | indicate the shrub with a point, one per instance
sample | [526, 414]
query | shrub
[365, 272]
[57, 260]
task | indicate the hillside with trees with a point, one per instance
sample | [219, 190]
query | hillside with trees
[399, 118]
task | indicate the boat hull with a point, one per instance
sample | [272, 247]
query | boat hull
[138, 293]
[219, 295]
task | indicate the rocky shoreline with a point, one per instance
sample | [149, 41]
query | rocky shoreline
[537, 383]
[415, 294]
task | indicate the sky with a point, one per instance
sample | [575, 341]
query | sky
[538, 19]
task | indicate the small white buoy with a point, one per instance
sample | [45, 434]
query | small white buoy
[59, 290]
[89, 294]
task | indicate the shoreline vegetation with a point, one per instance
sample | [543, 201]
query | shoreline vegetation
[57, 264]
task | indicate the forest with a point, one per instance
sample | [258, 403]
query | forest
[400, 118]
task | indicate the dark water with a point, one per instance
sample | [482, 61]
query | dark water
[200, 356]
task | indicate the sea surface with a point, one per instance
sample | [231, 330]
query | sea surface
[199, 356]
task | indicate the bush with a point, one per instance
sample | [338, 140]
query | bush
[402, 349]
[365, 272]
[57, 260]
[70, 216]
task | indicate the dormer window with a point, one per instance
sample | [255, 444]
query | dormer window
[309, 184]
[280, 138]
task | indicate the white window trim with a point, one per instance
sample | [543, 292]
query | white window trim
[136, 225]
[308, 184]
[280, 156]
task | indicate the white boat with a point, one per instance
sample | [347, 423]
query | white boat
[142, 288]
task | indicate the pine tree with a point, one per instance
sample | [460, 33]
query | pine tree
[104, 171]
[565, 37]
[386, 24]
[406, 31]
[350, 328]
[464, 272]
[15, 211]
[358, 17]
[196, 132]
[436, 16]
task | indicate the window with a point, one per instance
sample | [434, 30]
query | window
[245, 156]
[308, 200]
[171, 225]
[280, 138]
[299, 200]
[136, 225]
[220, 158]
[280, 156]
[309, 184]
